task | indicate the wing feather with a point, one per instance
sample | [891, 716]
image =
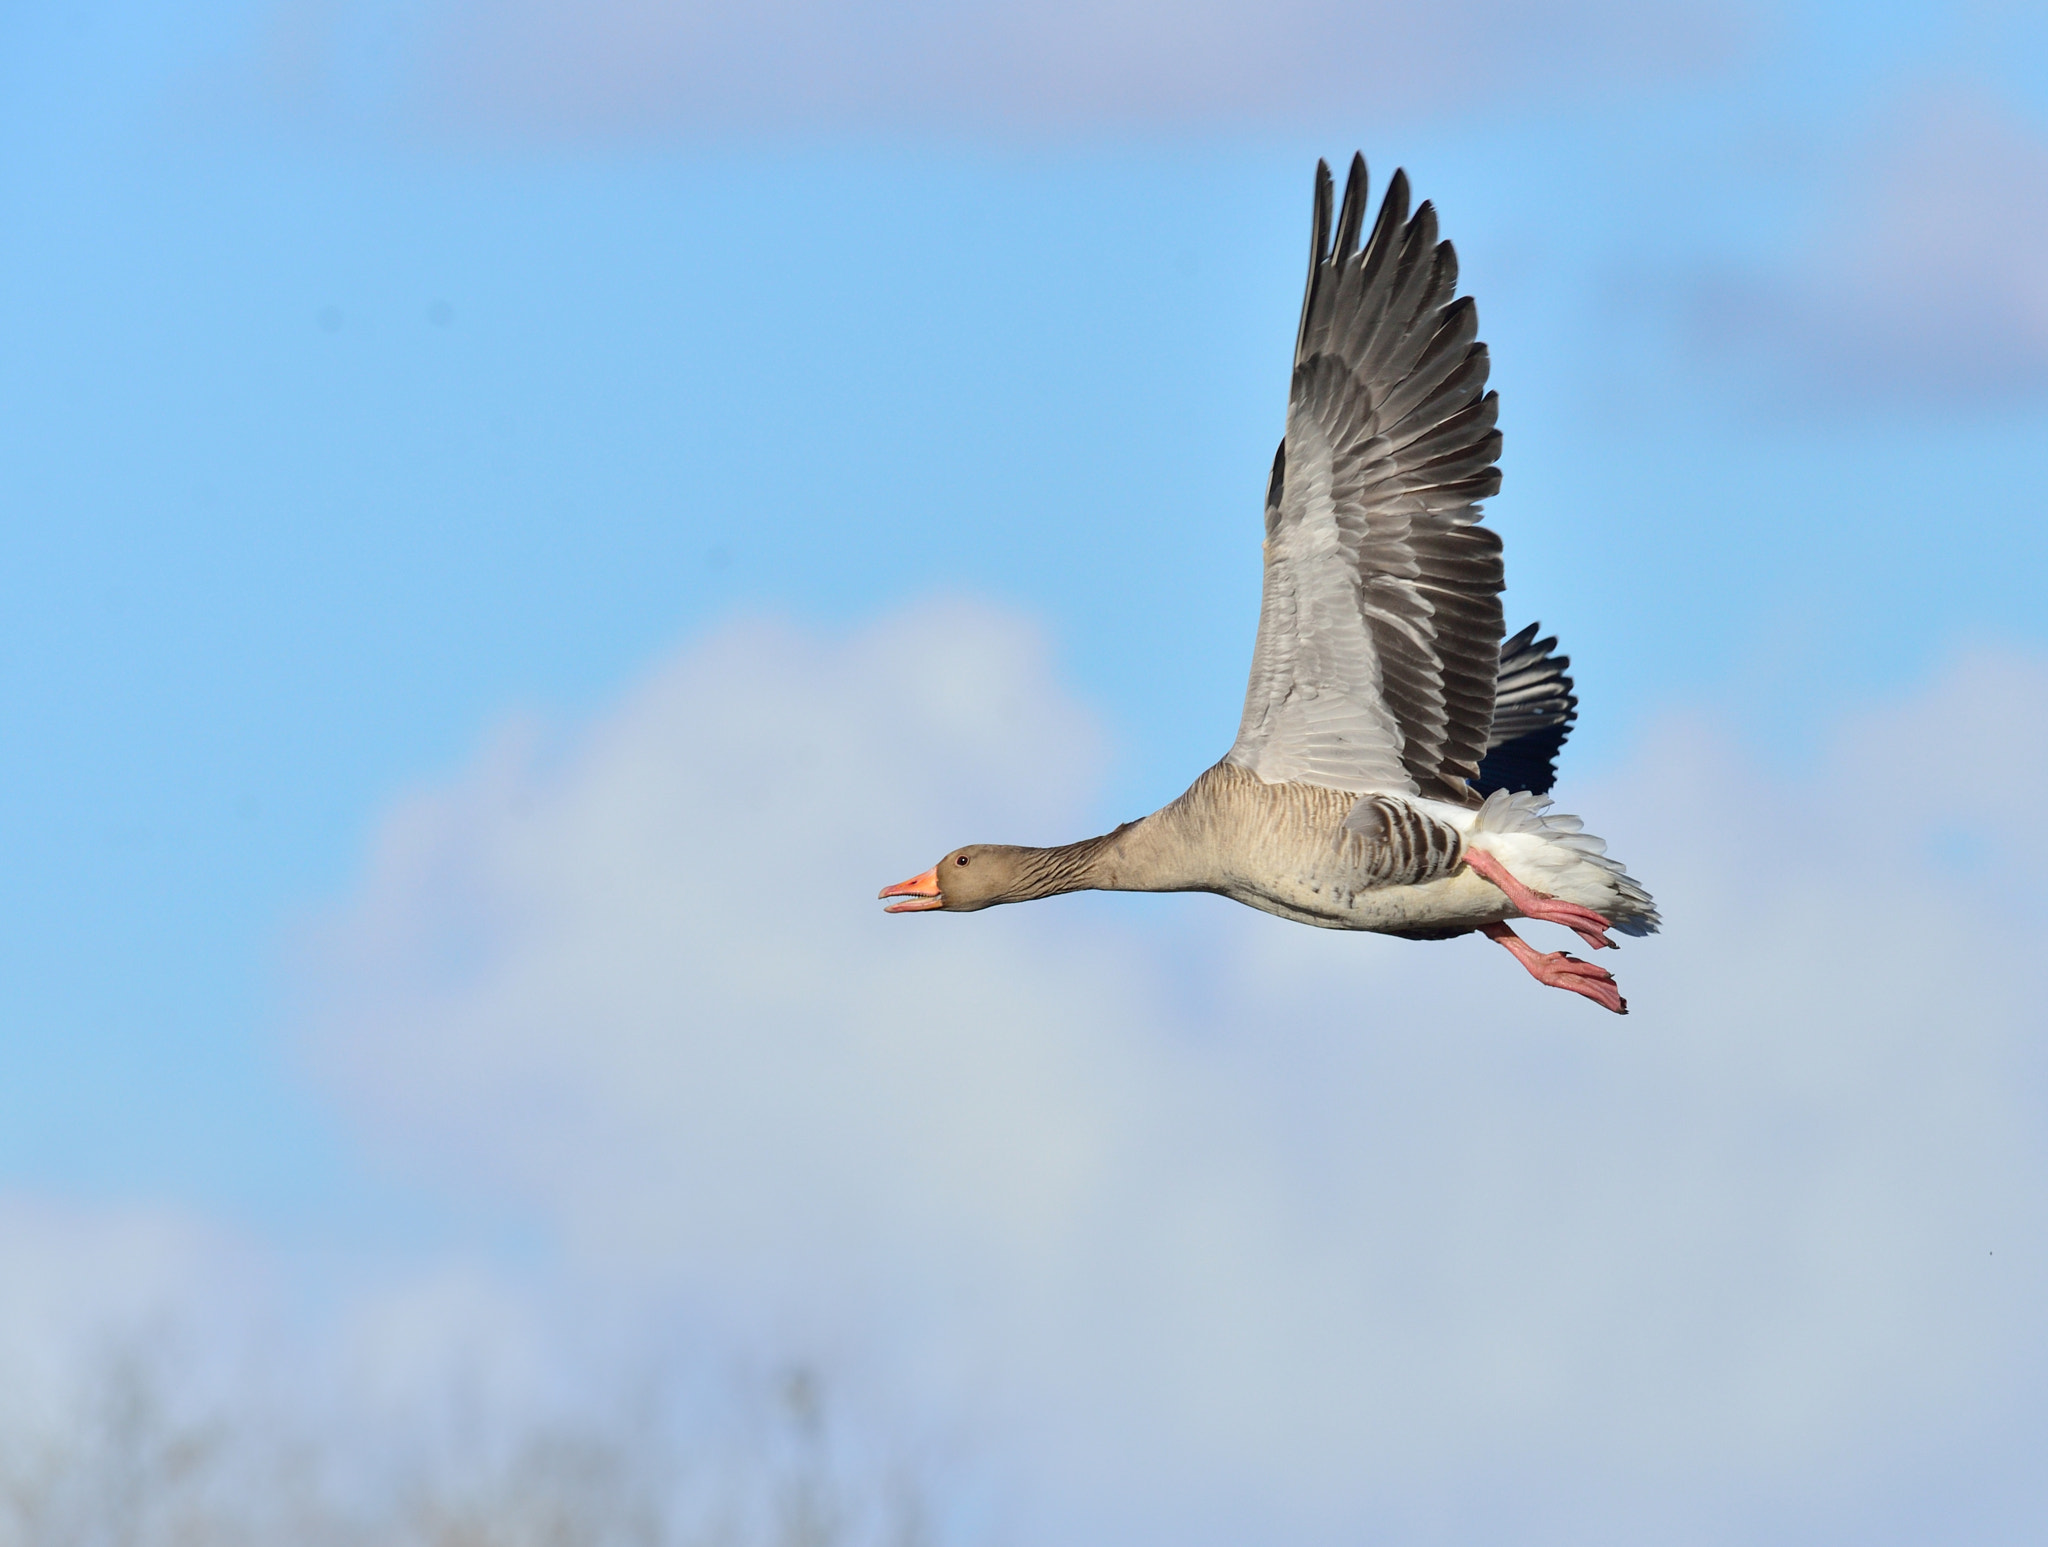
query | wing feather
[1379, 633]
[1533, 710]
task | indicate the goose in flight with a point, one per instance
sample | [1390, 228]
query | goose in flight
[1392, 769]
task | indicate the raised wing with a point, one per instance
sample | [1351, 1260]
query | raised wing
[1379, 636]
[1533, 710]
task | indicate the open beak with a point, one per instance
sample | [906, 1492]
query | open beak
[919, 893]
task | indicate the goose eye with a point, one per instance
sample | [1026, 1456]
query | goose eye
[960, 859]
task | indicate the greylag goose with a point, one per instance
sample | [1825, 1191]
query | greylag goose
[1392, 769]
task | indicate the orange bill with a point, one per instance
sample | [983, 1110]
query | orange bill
[919, 893]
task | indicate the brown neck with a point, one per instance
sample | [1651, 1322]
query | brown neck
[1071, 867]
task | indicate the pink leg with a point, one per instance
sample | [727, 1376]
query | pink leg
[1583, 922]
[1560, 970]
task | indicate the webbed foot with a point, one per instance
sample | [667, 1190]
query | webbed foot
[1559, 969]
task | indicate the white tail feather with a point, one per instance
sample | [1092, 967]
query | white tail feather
[1518, 816]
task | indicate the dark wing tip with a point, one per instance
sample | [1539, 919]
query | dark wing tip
[1319, 233]
[1397, 194]
[1387, 226]
[1351, 219]
[1318, 250]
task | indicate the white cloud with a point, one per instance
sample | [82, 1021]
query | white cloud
[547, 68]
[1218, 1224]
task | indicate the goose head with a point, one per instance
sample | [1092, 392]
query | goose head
[978, 876]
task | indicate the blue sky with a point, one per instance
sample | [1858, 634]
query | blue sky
[378, 380]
